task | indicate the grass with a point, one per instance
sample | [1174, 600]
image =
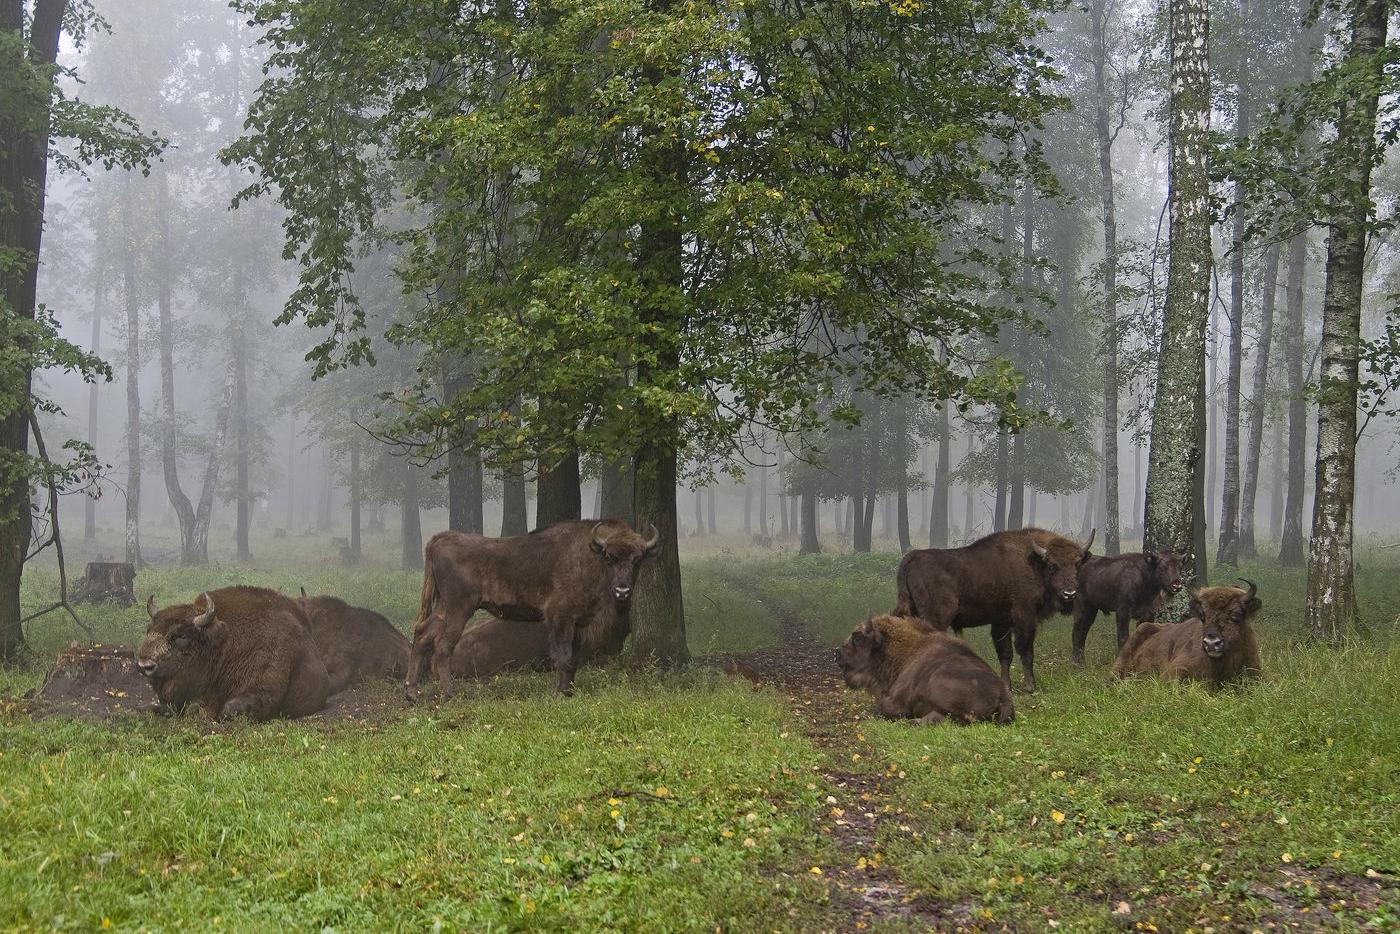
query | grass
[496, 811]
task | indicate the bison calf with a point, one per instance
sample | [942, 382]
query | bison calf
[237, 651]
[915, 673]
[1128, 586]
[1216, 645]
[354, 642]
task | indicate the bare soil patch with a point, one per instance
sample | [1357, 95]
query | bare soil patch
[864, 889]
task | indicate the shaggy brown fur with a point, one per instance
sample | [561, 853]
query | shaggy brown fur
[354, 642]
[914, 673]
[570, 576]
[1008, 580]
[492, 645]
[1216, 645]
[1128, 586]
[237, 651]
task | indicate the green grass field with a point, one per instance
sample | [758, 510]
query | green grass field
[694, 801]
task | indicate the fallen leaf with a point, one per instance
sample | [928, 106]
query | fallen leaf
[1123, 909]
[1057, 816]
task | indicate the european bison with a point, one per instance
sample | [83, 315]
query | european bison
[570, 575]
[492, 645]
[1007, 580]
[1216, 645]
[1128, 586]
[915, 673]
[354, 642]
[237, 651]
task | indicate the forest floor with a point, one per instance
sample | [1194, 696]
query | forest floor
[706, 801]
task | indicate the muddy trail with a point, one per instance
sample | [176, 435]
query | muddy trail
[864, 889]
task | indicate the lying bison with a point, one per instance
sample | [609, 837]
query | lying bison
[570, 576]
[1216, 645]
[237, 651]
[1128, 586]
[1007, 580]
[918, 674]
[354, 642]
[492, 645]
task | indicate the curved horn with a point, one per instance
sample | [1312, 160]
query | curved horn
[1090, 543]
[1249, 594]
[151, 606]
[599, 542]
[653, 539]
[303, 593]
[207, 617]
[1039, 549]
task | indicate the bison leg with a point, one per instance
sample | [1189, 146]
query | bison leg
[424, 636]
[246, 705]
[1025, 647]
[1001, 638]
[1124, 616]
[933, 718]
[445, 645]
[890, 710]
[563, 645]
[1084, 616]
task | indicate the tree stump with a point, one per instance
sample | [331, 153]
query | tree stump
[93, 682]
[106, 582]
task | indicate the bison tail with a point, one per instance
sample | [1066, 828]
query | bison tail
[429, 595]
[904, 602]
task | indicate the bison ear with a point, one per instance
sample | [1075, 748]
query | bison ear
[151, 606]
[1152, 558]
[877, 635]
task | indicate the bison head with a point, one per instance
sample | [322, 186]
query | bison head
[1225, 611]
[181, 646]
[1165, 567]
[861, 654]
[623, 551]
[1058, 561]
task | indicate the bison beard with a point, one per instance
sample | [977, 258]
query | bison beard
[354, 642]
[914, 673]
[1216, 645]
[1128, 586]
[237, 651]
[569, 576]
[1007, 580]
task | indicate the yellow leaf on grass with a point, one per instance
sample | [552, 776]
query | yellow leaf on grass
[1057, 816]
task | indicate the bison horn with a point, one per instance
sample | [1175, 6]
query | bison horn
[1249, 594]
[151, 606]
[1039, 549]
[1090, 543]
[598, 540]
[653, 539]
[207, 617]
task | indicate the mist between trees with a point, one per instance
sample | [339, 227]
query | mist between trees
[847, 277]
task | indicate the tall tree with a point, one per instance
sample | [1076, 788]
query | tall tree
[1331, 605]
[1174, 459]
[1258, 403]
[1292, 547]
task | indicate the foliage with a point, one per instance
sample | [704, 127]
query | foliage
[825, 207]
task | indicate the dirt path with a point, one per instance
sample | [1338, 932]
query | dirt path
[864, 888]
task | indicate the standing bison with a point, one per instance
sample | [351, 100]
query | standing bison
[916, 674]
[1128, 586]
[570, 576]
[1216, 645]
[1007, 580]
[354, 642]
[237, 651]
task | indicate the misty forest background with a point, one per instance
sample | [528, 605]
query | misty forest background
[841, 278]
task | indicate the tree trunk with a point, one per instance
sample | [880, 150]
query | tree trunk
[710, 507]
[133, 401]
[969, 498]
[410, 520]
[1003, 469]
[291, 469]
[1098, 22]
[355, 552]
[616, 491]
[515, 518]
[465, 479]
[1211, 392]
[1331, 611]
[1291, 545]
[99, 295]
[783, 529]
[558, 492]
[810, 544]
[748, 506]
[938, 506]
[24, 142]
[1259, 392]
[323, 501]
[1137, 490]
[243, 495]
[1016, 512]
[901, 489]
[1276, 493]
[699, 512]
[1227, 554]
[1176, 443]
[763, 529]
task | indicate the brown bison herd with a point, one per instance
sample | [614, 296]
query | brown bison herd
[560, 597]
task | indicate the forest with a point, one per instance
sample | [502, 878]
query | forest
[695, 348]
